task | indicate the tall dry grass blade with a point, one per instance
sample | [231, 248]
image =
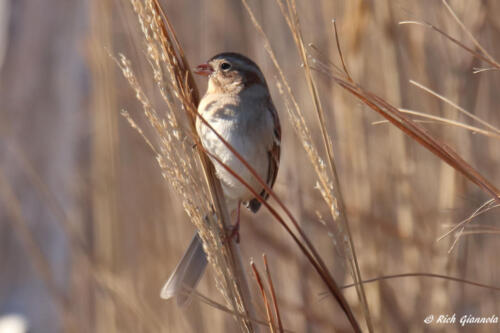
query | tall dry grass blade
[485, 207]
[417, 133]
[469, 33]
[481, 232]
[313, 255]
[456, 106]
[429, 275]
[336, 201]
[299, 125]
[192, 177]
[263, 293]
[442, 120]
[476, 70]
[223, 308]
[309, 252]
[339, 49]
[453, 40]
[273, 294]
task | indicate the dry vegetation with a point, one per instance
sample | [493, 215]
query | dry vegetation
[403, 197]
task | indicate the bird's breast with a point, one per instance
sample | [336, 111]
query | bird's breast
[244, 129]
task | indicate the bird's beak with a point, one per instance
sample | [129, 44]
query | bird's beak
[204, 69]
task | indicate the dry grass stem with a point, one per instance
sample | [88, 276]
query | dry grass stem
[445, 121]
[328, 186]
[462, 110]
[459, 228]
[469, 33]
[316, 261]
[262, 289]
[339, 49]
[191, 176]
[204, 299]
[477, 70]
[273, 293]
[453, 40]
[307, 248]
[416, 132]
[427, 275]
[101, 167]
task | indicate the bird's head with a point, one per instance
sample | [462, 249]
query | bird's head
[230, 73]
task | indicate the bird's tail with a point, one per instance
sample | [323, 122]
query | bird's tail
[187, 274]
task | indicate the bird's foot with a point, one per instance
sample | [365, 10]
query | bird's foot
[234, 232]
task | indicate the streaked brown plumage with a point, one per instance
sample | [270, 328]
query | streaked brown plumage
[239, 107]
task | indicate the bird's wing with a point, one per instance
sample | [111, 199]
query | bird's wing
[274, 157]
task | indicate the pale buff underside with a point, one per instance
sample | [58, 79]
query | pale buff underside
[248, 126]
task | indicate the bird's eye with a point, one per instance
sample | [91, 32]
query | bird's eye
[225, 66]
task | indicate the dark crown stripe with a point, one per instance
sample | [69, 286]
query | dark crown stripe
[238, 58]
[233, 55]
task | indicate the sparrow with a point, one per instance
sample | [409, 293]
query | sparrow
[238, 106]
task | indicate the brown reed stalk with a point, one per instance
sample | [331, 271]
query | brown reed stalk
[339, 216]
[470, 35]
[307, 248]
[444, 121]
[328, 185]
[427, 275]
[184, 93]
[456, 106]
[218, 306]
[416, 132]
[263, 293]
[488, 205]
[413, 129]
[192, 177]
[273, 293]
[485, 58]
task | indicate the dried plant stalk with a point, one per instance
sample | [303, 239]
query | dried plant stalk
[445, 121]
[262, 289]
[426, 275]
[456, 161]
[186, 95]
[457, 107]
[332, 194]
[414, 131]
[190, 175]
[306, 246]
[273, 293]
[328, 186]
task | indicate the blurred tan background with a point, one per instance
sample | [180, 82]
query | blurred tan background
[89, 230]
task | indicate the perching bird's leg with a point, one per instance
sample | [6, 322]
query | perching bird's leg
[235, 232]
